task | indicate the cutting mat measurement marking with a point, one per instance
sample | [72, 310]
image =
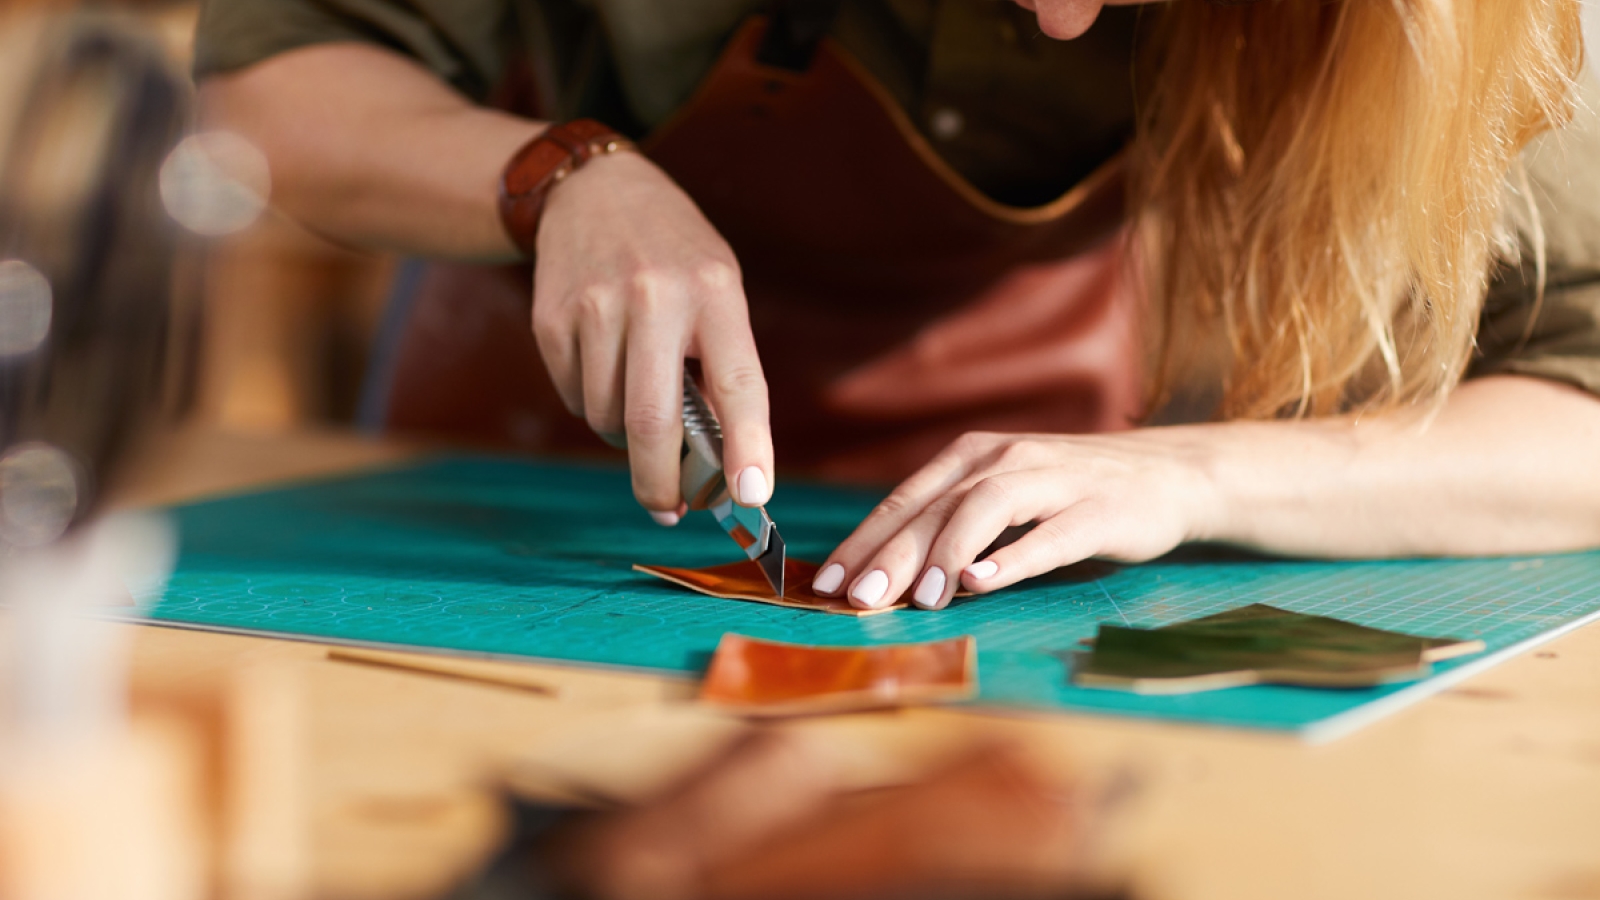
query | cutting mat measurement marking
[504, 558]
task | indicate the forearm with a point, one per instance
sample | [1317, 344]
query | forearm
[368, 148]
[1510, 465]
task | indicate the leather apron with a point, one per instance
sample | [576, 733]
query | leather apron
[895, 306]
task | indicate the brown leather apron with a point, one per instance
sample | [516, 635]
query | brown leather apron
[895, 306]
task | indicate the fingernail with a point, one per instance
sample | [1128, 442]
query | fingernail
[870, 590]
[666, 519]
[829, 579]
[930, 590]
[753, 489]
[984, 569]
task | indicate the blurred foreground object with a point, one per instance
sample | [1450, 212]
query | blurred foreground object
[92, 334]
[163, 802]
[88, 115]
[775, 817]
[89, 806]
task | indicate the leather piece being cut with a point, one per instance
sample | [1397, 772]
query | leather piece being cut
[767, 678]
[743, 580]
[1258, 644]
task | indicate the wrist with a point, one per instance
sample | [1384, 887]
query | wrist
[1216, 477]
[1276, 483]
[1201, 454]
[540, 165]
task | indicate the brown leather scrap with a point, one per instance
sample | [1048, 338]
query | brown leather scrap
[767, 678]
[743, 580]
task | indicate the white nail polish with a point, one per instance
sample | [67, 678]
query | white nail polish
[667, 519]
[982, 570]
[829, 579]
[930, 589]
[871, 589]
[753, 489]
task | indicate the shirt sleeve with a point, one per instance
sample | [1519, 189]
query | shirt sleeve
[464, 42]
[1557, 338]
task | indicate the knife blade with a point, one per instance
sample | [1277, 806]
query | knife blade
[704, 486]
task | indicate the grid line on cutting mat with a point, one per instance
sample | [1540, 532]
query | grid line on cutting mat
[504, 558]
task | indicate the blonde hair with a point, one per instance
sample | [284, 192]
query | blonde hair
[1324, 183]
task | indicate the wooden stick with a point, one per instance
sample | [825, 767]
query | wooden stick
[494, 674]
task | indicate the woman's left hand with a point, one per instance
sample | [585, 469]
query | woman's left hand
[1506, 466]
[1128, 497]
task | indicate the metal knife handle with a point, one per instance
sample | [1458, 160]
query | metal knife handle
[697, 415]
[700, 478]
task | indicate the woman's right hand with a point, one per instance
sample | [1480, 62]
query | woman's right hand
[631, 280]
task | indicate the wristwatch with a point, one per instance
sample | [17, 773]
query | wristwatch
[544, 162]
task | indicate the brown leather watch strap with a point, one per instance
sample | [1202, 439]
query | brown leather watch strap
[544, 162]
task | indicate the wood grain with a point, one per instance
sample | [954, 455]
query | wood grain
[1488, 791]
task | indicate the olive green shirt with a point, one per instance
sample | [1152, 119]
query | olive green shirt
[985, 85]
[1556, 336]
[1021, 116]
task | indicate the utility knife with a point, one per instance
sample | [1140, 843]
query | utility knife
[705, 487]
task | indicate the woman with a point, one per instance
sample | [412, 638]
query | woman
[1321, 210]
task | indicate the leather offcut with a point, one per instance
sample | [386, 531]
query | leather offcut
[767, 678]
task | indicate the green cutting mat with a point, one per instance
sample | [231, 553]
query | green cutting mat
[488, 556]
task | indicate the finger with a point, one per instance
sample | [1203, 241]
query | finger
[558, 348]
[896, 566]
[737, 389]
[1070, 536]
[666, 518]
[603, 389]
[653, 417]
[992, 505]
[905, 503]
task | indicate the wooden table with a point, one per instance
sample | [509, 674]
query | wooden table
[1489, 790]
